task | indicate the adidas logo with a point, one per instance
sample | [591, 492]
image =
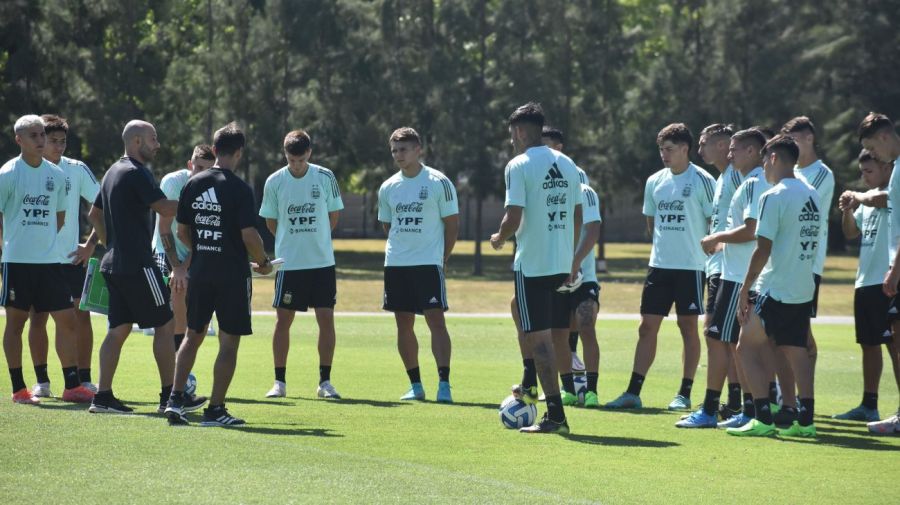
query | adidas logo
[887, 333]
[433, 300]
[892, 310]
[554, 178]
[207, 201]
[693, 306]
[714, 329]
[810, 211]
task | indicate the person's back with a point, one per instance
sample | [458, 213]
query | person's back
[126, 193]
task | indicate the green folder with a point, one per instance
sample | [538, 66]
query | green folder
[94, 295]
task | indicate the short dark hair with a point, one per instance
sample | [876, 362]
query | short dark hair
[717, 129]
[229, 139]
[406, 134]
[752, 136]
[204, 152]
[784, 146]
[765, 130]
[677, 133]
[799, 124]
[297, 142]
[873, 123]
[554, 134]
[530, 113]
[54, 123]
[865, 156]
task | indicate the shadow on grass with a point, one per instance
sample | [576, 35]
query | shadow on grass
[361, 401]
[252, 401]
[620, 441]
[864, 441]
[651, 411]
[290, 430]
[74, 407]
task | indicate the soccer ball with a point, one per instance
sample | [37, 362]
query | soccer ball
[190, 387]
[580, 387]
[516, 414]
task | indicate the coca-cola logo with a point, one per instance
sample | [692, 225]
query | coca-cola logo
[409, 207]
[208, 220]
[671, 205]
[306, 208]
[36, 200]
[558, 199]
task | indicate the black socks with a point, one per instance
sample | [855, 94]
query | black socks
[444, 373]
[529, 375]
[635, 384]
[414, 375]
[711, 402]
[280, 371]
[686, 385]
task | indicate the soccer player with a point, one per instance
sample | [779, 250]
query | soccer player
[80, 184]
[419, 212]
[543, 210]
[122, 219]
[33, 201]
[216, 217]
[301, 205]
[878, 136]
[678, 203]
[170, 252]
[870, 304]
[815, 173]
[738, 238]
[783, 260]
[713, 149]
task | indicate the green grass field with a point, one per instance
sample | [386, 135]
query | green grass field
[370, 448]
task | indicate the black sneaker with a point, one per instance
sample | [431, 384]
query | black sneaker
[547, 426]
[219, 416]
[726, 412]
[785, 417]
[175, 412]
[108, 405]
[193, 403]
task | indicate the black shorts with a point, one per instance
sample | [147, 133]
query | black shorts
[162, 263]
[141, 298]
[73, 275]
[587, 291]
[665, 286]
[870, 308]
[229, 297]
[712, 288]
[785, 323]
[541, 306]
[301, 289]
[414, 289]
[724, 326]
[815, 301]
[38, 286]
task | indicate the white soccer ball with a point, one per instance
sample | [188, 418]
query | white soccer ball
[190, 387]
[516, 414]
[580, 387]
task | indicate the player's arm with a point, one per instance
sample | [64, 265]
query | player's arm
[650, 225]
[60, 220]
[254, 244]
[95, 217]
[451, 233]
[757, 262]
[165, 208]
[892, 278]
[333, 218]
[184, 234]
[83, 252]
[168, 240]
[591, 236]
[512, 218]
[579, 217]
[848, 223]
[874, 198]
[743, 233]
[272, 225]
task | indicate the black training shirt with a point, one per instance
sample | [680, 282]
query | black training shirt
[217, 205]
[126, 193]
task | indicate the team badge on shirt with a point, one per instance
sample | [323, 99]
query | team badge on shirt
[423, 193]
[315, 191]
[68, 185]
[50, 185]
[287, 297]
[686, 192]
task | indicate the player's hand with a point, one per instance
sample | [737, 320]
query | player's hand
[263, 270]
[82, 254]
[889, 286]
[744, 306]
[178, 279]
[709, 243]
[496, 242]
[848, 201]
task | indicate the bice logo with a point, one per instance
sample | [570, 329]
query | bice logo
[554, 178]
[207, 201]
[810, 211]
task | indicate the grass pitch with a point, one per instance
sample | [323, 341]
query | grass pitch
[371, 448]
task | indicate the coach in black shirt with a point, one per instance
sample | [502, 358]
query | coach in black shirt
[122, 215]
[216, 217]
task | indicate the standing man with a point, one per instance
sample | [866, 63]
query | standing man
[419, 211]
[122, 216]
[738, 237]
[80, 184]
[678, 203]
[33, 207]
[543, 210]
[815, 173]
[216, 216]
[171, 253]
[870, 304]
[301, 206]
[786, 250]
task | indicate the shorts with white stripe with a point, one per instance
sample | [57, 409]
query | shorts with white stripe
[162, 263]
[665, 286]
[414, 288]
[724, 325]
[141, 298]
[38, 286]
[540, 306]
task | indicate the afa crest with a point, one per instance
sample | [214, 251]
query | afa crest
[68, 185]
[50, 185]
[315, 191]
[423, 193]
[287, 298]
[686, 192]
